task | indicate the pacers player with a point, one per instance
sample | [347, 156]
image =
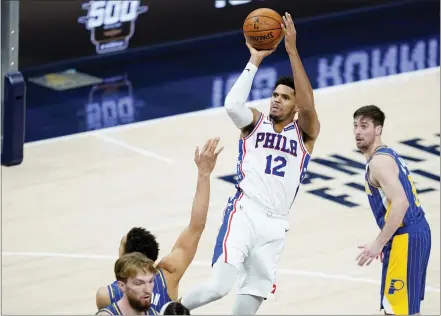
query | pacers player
[172, 267]
[135, 274]
[274, 152]
[405, 239]
[138, 239]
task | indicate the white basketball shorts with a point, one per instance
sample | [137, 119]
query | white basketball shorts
[252, 239]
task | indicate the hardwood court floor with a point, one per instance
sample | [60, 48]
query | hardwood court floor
[65, 209]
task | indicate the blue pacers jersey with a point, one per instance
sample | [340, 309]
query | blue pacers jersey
[377, 199]
[160, 294]
[113, 309]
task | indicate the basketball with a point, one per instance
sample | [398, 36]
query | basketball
[262, 29]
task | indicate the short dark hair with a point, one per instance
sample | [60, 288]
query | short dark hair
[176, 308]
[141, 240]
[373, 112]
[286, 81]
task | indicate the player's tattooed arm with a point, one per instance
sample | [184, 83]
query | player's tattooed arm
[176, 263]
[308, 118]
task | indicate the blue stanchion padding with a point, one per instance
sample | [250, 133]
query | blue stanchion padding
[14, 119]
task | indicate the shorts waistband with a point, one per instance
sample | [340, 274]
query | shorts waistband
[421, 223]
[263, 209]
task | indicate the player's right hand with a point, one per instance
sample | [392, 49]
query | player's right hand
[206, 158]
[380, 256]
[259, 55]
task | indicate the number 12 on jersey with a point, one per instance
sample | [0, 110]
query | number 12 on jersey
[274, 166]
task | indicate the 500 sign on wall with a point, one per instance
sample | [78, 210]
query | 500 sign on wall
[111, 23]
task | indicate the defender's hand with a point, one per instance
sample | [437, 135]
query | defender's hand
[290, 33]
[206, 159]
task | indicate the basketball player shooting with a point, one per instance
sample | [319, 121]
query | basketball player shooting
[173, 266]
[274, 152]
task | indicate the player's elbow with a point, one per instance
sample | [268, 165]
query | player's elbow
[102, 298]
[231, 107]
[240, 114]
[231, 104]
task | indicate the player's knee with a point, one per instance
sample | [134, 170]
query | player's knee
[221, 289]
[224, 279]
[222, 286]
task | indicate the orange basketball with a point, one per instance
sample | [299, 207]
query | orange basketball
[262, 28]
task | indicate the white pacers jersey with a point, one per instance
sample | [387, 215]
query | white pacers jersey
[272, 165]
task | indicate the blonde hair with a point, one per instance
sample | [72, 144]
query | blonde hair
[130, 264]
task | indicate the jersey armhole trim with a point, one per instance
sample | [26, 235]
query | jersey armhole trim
[105, 310]
[259, 121]
[369, 180]
[161, 275]
[116, 307]
[111, 293]
[299, 133]
[378, 153]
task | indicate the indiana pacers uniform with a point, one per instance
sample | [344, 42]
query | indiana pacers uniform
[270, 168]
[113, 309]
[160, 296]
[406, 255]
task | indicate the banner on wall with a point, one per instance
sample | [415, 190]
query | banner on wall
[111, 23]
[53, 31]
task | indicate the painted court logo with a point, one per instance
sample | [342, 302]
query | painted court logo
[321, 182]
[111, 23]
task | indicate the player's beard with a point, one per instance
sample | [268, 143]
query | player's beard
[361, 145]
[275, 118]
[365, 144]
[136, 303]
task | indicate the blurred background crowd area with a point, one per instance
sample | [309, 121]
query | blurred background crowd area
[162, 58]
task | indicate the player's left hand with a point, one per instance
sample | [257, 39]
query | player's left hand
[290, 33]
[369, 253]
[206, 158]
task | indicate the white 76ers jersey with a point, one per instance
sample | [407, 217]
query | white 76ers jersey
[272, 165]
